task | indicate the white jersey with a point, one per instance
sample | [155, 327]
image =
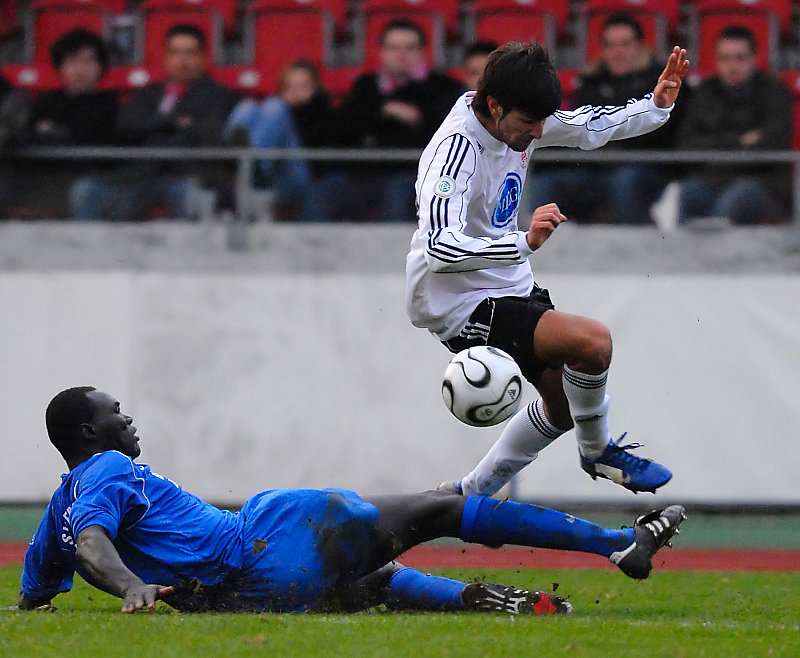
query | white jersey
[467, 246]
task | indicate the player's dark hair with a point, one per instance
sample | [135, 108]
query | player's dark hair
[520, 76]
[738, 33]
[65, 414]
[624, 18]
[73, 42]
[404, 24]
[484, 48]
[187, 30]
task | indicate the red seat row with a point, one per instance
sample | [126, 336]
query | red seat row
[278, 31]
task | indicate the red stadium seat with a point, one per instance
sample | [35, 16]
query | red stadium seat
[447, 9]
[338, 81]
[556, 8]
[129, 78]
[670, 9]
[373, 19]
[657, 18]
[276, 36]
[569, 79]
[158, 16]
[336, 8]
[111, 6]
[782, 9]
[32, 77]
[764, 25]
[503, 26]
[49, 19]
[247, 80]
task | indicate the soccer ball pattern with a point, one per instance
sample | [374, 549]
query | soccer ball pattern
[482, 386]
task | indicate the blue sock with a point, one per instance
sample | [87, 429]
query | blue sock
[492, 522]
[410, 589]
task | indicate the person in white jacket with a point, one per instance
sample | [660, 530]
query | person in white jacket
[468, 277]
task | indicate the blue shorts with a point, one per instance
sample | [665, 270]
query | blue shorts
[298, 543]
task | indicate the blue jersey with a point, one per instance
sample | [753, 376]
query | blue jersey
[282, 552]
[163, 534]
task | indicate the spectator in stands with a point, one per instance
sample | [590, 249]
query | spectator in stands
[298, 115]
[77, 114]
[620, 194]
[15, 107]
[399, 106]
[14, 112]
[475, 57]
[739, 109]
[188, 109]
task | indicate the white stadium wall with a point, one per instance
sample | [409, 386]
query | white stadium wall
[246, 381]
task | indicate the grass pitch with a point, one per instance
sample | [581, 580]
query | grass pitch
[673, 614]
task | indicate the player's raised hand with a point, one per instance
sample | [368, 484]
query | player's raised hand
[545, 220]
[671, 78]
[144, 596]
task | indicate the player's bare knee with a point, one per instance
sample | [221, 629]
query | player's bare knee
[595, 351]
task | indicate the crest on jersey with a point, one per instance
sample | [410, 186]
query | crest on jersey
[507, 200]
[445, 187]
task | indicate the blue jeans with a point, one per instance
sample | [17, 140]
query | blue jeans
[93, 199]
[270, 125]
[626, 192]
[743, 201]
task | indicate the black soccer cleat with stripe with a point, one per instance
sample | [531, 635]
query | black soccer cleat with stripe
[490, 597]
[653, 531]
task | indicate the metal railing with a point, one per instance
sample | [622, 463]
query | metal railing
[245, 158]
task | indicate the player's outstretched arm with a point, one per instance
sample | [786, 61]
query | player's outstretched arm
[99, 557]
[671, 78]
[545, 220]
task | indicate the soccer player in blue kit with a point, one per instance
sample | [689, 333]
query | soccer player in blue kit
[468, 276]
[137, 535]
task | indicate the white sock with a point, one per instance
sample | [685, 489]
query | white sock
[588, 406]
[522, 438]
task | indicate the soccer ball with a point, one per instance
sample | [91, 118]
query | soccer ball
[482, 386]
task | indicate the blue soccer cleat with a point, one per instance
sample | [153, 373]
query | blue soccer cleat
[626, 469]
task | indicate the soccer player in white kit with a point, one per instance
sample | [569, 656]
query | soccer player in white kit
[468, 277]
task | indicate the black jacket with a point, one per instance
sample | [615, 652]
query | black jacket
[361, 122]
[718, 115]
[76, 120]
[140, 123]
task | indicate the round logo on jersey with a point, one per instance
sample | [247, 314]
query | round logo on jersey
[445, 187]
[507, 200]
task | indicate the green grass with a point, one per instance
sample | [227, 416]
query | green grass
[673, 614]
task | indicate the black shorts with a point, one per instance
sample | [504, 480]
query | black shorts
[507, 323]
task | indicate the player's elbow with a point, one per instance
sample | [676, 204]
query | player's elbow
[436, 264]
[89, 543]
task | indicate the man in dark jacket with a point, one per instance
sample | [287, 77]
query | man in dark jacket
[15, 108]
[188, 109]
[618, 193]
[399, 106]
[739, 109]
[79, 113]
